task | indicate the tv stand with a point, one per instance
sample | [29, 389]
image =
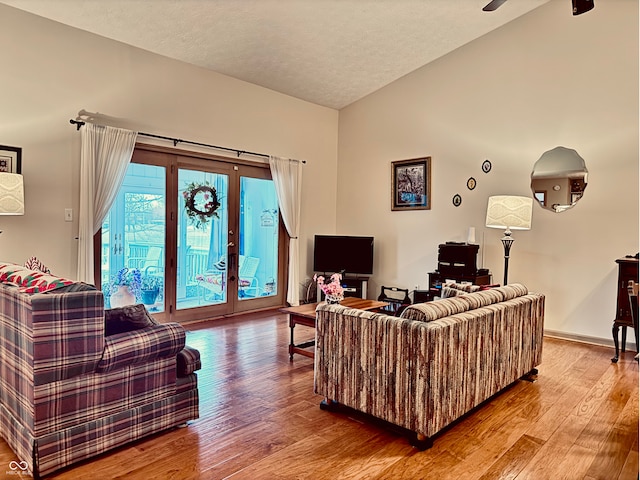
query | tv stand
[353, 286]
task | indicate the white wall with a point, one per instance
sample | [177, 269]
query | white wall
[544, 80]
[53, 71]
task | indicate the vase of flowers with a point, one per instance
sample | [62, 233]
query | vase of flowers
[333, 291]
[125, 287]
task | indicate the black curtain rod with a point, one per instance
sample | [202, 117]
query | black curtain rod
[79, 123]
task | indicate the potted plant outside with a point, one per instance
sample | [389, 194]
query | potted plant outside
[150, 289]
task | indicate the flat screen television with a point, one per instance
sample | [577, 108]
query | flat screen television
[339, 253]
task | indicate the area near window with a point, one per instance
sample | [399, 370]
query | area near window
[202, 235]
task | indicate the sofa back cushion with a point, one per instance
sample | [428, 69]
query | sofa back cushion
[453, 289]
[429, 311]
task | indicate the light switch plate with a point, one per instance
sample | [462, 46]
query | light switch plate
[68, 215]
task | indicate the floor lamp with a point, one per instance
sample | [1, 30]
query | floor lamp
[510, 213]
[11, 194]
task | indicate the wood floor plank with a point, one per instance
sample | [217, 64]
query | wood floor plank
[557, 412]
[630, 467]
[509, 465]
[606, 415]
[612, 456]
[259, 419]
[575, 464]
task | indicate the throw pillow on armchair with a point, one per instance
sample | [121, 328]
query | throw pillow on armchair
[127, 319]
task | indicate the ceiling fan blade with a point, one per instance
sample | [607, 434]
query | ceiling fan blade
[492, 5]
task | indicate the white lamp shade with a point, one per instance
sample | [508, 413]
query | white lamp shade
[509, 212]
[11, 194]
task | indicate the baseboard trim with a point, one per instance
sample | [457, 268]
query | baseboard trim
[603, 342]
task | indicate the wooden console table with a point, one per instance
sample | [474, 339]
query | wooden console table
[306, 315]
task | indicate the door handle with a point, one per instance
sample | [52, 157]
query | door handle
[231, 244]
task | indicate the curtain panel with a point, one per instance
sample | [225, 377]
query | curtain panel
[287, 177]
[104, 158]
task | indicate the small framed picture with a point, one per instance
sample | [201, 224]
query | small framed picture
[10, 159]
[411, 184]
[471, 183]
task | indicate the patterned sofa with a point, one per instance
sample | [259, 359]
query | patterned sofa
[434, 363]
[67, 391]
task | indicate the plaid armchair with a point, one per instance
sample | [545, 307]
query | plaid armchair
[68, 393]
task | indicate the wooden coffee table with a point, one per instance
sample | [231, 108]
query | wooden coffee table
[306, 315]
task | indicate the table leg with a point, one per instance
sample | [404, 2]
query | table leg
[291, 344]
[615, 342]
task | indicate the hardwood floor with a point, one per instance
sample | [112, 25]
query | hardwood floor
[259, 419]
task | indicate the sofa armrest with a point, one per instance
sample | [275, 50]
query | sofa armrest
[188, 361]
[139, 346]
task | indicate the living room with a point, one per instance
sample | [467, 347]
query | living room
[543, 80]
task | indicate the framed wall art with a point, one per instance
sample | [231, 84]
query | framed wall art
[411, 184]
[10, 159]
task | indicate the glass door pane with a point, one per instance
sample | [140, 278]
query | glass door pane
[202, 239]
[258, 245]
[133, 240]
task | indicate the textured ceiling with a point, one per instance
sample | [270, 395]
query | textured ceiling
[328, 52]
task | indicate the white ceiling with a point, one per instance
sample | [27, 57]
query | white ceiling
[328, 52]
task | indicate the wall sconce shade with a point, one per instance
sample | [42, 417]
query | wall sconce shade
[11, 194]
[509, 212]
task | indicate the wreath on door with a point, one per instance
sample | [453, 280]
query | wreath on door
[200, 203]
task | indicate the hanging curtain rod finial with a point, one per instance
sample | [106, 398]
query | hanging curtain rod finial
[77, 123]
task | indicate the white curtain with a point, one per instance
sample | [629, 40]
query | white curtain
[106, 153]
[287, 177]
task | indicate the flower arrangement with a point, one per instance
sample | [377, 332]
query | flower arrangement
[333, 290]
[131, 278]
[200, 203]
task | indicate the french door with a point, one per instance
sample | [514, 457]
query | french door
[201, 234]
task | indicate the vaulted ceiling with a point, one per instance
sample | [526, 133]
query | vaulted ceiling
[328, 52]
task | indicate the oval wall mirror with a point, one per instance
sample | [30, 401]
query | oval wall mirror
[559, 179]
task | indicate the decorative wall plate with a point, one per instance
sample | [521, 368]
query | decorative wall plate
[486, 166]
[471, 183]
[457, 200]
